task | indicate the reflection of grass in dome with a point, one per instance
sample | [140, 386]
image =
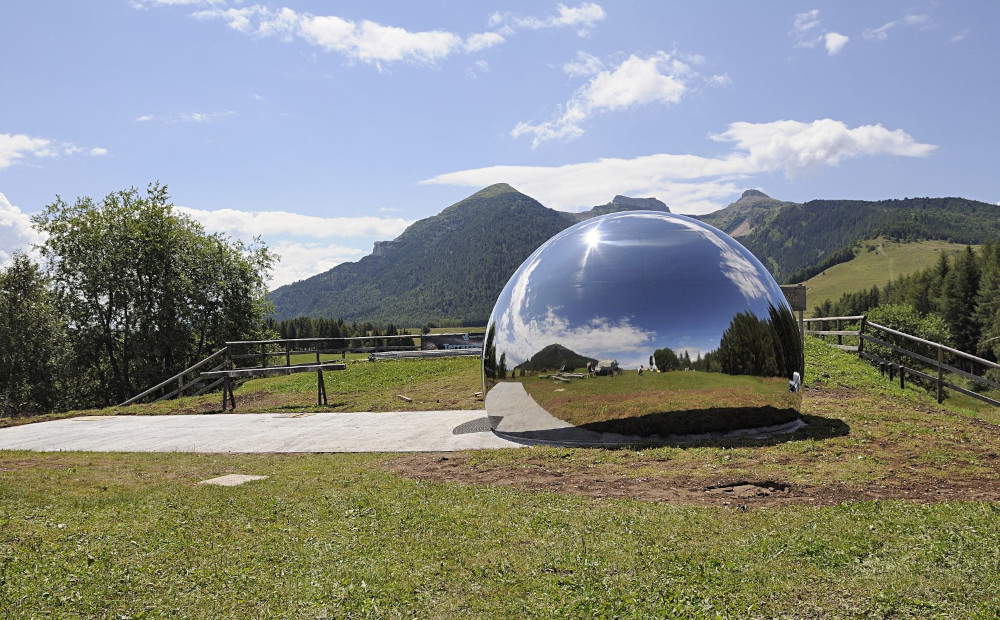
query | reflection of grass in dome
[666, 403]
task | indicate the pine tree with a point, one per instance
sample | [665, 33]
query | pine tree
[987, 312]
[959, 300]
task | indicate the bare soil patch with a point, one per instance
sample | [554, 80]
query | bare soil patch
[36, 463]
[714, 491]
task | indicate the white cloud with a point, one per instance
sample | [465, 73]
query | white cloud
[204, 117]
[920, 21]
[585, 65]
[186, 117]
[378, 44]
[806, 32]
[483, 40]
[959, 36]
[276, 223]
[722, 79]
[478, 68]
[660, 78]
[17, 146]
[366, 40]
[583, 17]
[881, 33]
[143, 4]
[835, 42]
[301, 241]
[692, 183]
[98, 151]
[802, 26]
[298, 261]
[372, 42]
[16, 233]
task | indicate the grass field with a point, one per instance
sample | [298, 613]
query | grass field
[885, 506]
[447, 383]
[877, 262]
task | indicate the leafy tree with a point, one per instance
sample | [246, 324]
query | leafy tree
[146, 291]
[906, 319]
[666, 359]
[33, 352]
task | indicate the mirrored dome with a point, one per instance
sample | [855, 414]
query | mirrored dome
[638, 327]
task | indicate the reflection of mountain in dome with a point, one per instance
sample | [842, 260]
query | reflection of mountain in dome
[555, 357]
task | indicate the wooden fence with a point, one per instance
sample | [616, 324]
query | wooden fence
[246, 354]
[861, 330]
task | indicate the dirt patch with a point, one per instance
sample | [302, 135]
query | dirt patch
[39, 463]
[717, 491]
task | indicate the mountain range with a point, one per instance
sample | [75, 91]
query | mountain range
[451, 266]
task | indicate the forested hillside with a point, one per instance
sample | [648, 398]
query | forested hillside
[876, 262]
[964, 291]
[451, 267]
[447, 267]
[801, 236]
[753, 210]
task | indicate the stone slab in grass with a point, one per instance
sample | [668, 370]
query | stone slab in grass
[232, 480]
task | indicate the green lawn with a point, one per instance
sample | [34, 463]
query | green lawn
[877, 263]
[431, 384]
[333, 536]
[892, 511]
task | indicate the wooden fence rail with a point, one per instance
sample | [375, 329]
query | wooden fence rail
[178, 380]
[867, 331]
[231, 357]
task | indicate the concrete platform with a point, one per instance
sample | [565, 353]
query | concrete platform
[410, 431]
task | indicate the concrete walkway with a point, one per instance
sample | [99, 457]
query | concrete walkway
[416, 431]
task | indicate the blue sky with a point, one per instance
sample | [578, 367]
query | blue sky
[323, 126]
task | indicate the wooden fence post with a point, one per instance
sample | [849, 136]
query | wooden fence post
[320, 388]
[288, 357]
[861, 336]
[840, 338]
[902, 374]
[940, 381]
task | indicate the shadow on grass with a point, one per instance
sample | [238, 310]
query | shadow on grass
[715, 427]
[720, 427]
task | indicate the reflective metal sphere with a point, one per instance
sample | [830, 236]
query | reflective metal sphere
[637, 327]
